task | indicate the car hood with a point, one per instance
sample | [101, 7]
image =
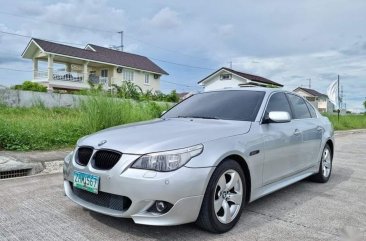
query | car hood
[163, 134]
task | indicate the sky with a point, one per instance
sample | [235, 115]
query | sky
[286, 41]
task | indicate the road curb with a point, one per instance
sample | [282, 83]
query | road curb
[349, 132]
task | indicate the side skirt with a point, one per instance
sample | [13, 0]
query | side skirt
[269, 188]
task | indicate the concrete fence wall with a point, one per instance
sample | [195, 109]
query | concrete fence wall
[21, 98]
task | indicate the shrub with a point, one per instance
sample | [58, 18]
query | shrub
[32, 86]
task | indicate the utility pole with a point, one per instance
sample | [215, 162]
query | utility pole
[338, 98]
[309, 83]
[121, 46]
[231, 64]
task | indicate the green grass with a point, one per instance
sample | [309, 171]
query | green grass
[348, 122]
[40, 128]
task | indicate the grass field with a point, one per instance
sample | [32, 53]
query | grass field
[347, 122]
[40, 128]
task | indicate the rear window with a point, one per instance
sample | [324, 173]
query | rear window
[299, 108]
[311, 109]
[242, 105]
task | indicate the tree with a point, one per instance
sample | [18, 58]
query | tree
[364, 104]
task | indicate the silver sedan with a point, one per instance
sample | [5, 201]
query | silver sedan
[203, 160]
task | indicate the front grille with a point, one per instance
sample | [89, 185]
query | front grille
[105, 160]
[83, 155]
[103, 199]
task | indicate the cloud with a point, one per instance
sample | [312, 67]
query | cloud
[322, 68]
[282, 40]
[226, 30]
[165, 19]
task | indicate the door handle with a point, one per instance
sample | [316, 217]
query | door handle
[319, 128]
[297, 132]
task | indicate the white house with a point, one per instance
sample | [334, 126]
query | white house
[70, 68]
[229, 78]
[318, 100]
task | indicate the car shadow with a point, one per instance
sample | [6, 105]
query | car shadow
[272, 206]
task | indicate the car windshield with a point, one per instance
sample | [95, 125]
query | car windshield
[241, 105]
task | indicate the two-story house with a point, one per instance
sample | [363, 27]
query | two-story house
[70, 68]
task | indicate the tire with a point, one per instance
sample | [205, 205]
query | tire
[325, 167]
[226, 189]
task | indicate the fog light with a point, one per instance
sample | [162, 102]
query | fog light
[160, 207]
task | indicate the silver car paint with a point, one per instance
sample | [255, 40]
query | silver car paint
[284, 158]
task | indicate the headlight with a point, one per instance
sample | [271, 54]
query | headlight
[68, 158]
[168, 160]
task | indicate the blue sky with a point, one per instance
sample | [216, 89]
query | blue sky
[286, 41]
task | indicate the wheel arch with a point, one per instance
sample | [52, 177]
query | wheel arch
[241, 161]
[331, 145]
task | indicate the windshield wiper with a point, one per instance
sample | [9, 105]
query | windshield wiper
[199, 117]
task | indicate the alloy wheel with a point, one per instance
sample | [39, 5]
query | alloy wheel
[326, 162]
[228, 196]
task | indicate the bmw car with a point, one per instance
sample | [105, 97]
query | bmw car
[203, 160]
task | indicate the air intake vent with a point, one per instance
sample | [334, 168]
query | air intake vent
[83, 155]
[105, 160]
[107, 200]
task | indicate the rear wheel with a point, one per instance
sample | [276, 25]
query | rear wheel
[325, 167]
[224, 198]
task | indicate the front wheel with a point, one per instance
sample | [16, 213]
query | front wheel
[325, 167]
[224, 198]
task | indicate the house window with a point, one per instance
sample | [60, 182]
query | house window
[147, 81]
[104, 73]
[225, 76]
[127, 75]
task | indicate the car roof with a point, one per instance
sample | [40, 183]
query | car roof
[267, 90]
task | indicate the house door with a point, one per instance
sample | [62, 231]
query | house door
[104, 76]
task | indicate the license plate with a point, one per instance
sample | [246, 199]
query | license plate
[86, 182]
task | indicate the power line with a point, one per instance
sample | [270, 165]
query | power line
[161, 60]
[190, 86]
[17, 70]
[61, 24]
[185, 65]
[100, 30]
[28, 36]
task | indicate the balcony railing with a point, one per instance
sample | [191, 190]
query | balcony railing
[68, 76]
[71, 77]
[59, 75]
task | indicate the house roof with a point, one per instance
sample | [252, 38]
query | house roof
[99, 54]
[251, 77]
[311, 91]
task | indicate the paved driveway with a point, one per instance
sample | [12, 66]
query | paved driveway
[34, 208]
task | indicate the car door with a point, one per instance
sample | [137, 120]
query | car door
[310, 131]
[316, 136]
[282, 142]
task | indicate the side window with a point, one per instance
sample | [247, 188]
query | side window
[299, 107]
[278, 102]
[311, 109]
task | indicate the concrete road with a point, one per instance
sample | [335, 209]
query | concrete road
[34, 208]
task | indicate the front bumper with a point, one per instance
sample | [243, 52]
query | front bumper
[184, 188]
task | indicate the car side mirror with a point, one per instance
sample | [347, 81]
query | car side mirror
[277, 117]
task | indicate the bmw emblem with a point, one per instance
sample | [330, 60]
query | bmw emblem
[102, 143]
